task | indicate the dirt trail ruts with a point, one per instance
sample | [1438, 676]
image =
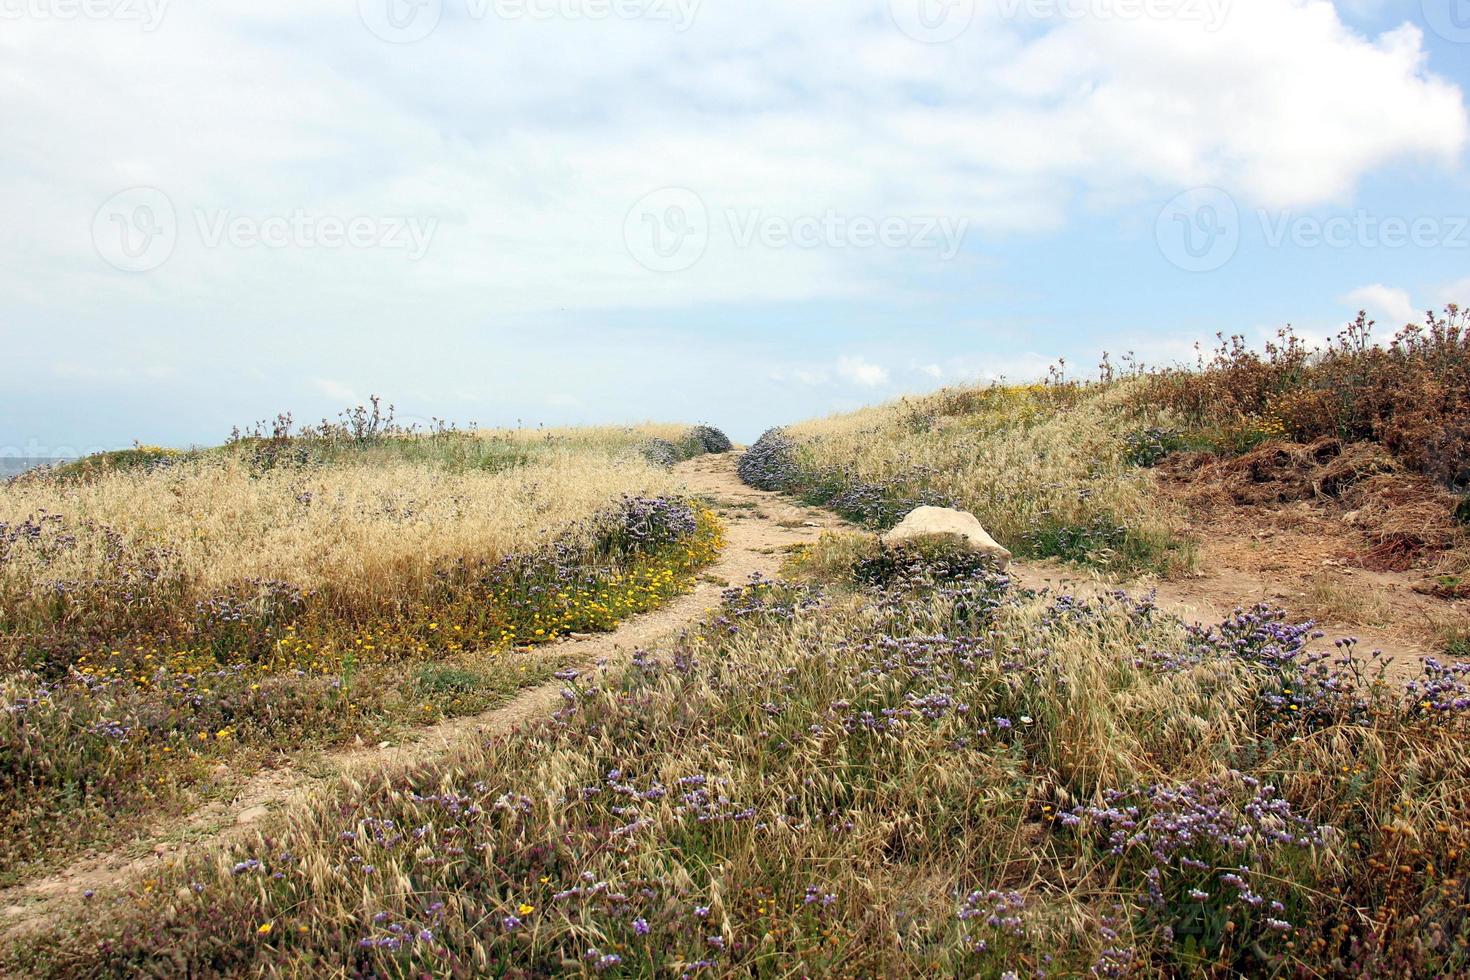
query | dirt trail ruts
[759, 528]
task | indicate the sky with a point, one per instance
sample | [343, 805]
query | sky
[746, 213]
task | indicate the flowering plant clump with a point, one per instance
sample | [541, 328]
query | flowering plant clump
[661, 452]
[1206, 856]
[692, 442]
[1147, 447]
[711, 439]
[650, 523]
[768, 464]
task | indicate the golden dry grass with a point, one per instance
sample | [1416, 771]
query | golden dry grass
[1044, 468]
[368, 530]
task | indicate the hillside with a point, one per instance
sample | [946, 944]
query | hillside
[174, 619]
[837, 758]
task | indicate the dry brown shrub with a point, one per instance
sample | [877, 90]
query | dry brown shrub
[1284, 472]
[1412, 395]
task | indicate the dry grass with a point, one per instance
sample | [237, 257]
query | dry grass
[588, 437]
[1351, 603]
[1044, 467]
[370, 532]
[921, 777]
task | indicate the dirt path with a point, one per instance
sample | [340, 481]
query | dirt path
[760, 528]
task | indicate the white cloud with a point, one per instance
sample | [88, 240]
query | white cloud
[1389, 306]
[530, 139]
[810, 377]
[861, 372]
[850, 369]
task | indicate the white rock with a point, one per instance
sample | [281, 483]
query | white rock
[923, 522]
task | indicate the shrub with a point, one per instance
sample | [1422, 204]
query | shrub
[711, 439]
[770, 463]
[1413, 395]
[661, 452]
[1149, 446]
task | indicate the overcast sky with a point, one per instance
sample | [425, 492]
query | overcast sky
[737, 212]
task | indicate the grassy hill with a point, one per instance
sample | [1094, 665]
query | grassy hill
[165, 612]
[889, 762]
